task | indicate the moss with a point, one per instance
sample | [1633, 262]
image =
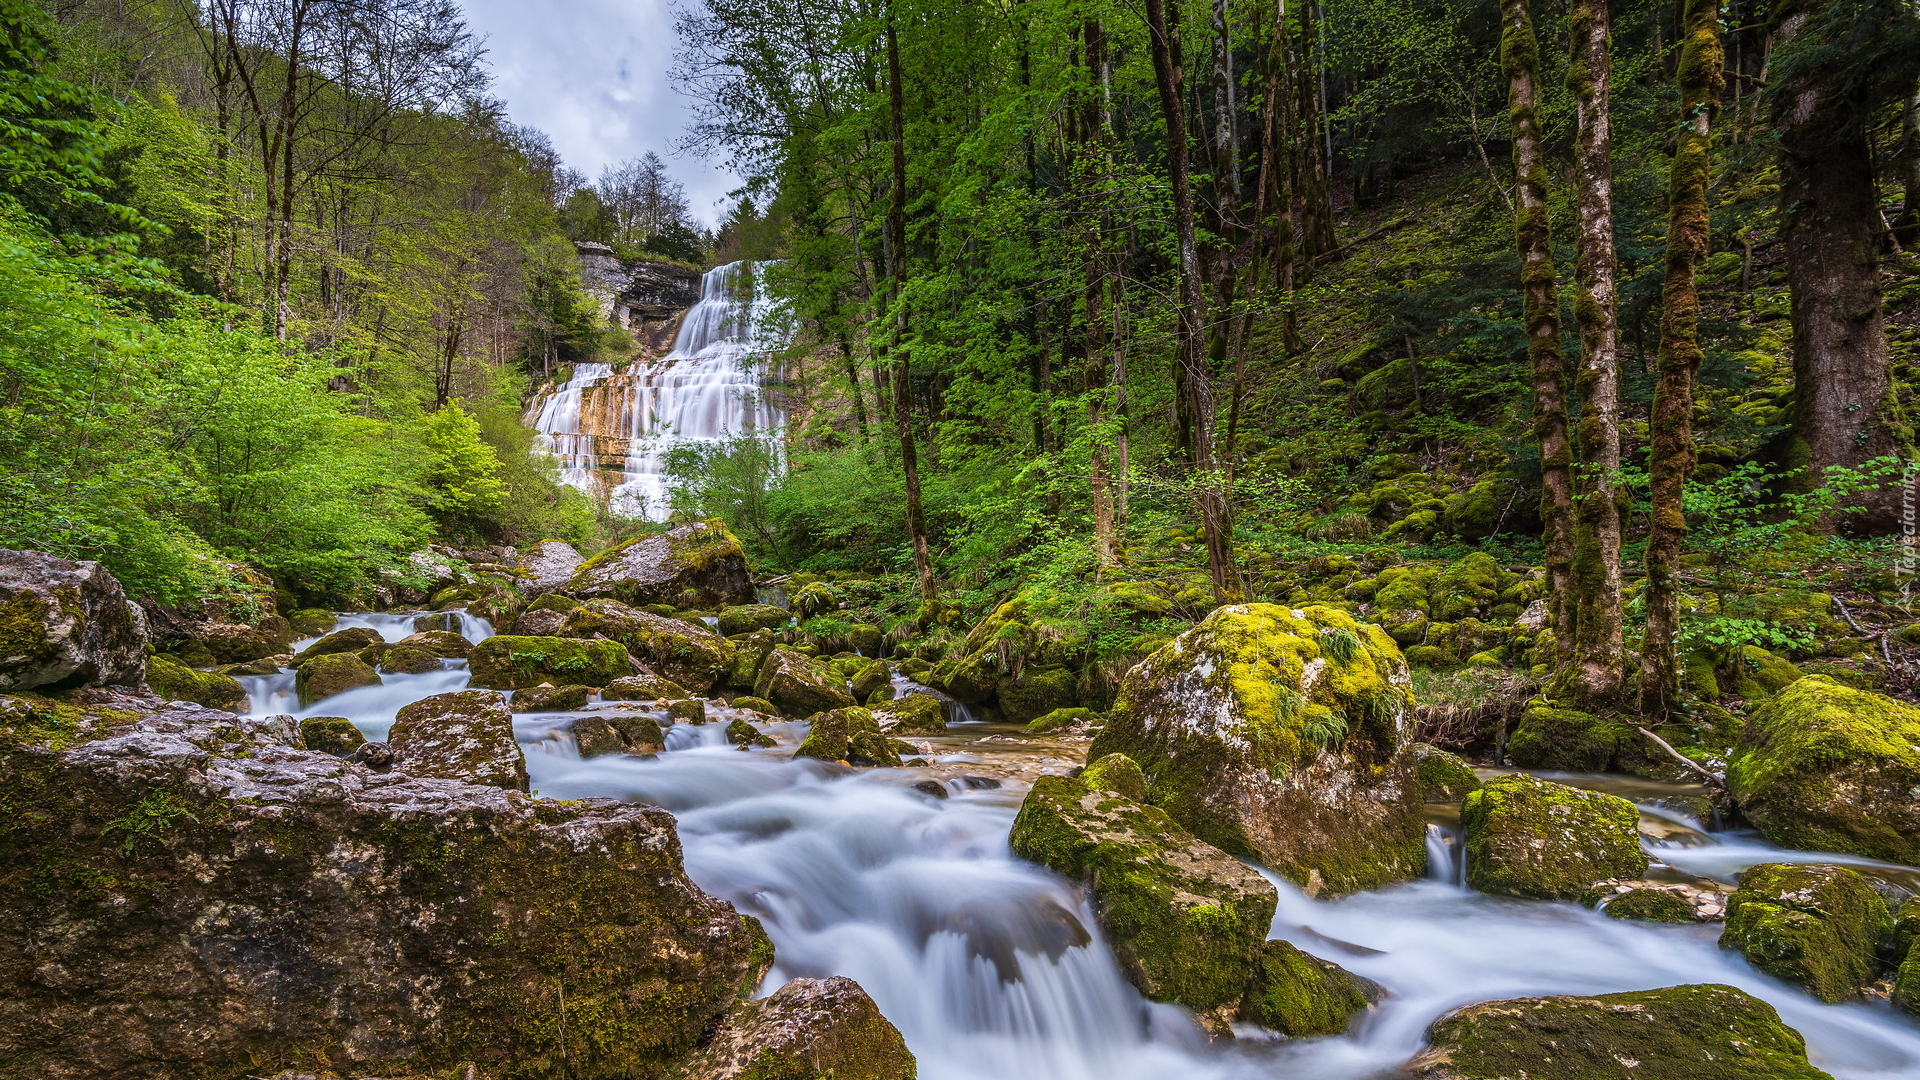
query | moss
[920, 713]
[334, 673]
[1057, 719]
[1432, 656]
[351, 640]
[742, 734]
[850, 735]
[750, 617]
[1036, 692]
[334, 735]
[538, 699]
[409, 660]
[1819, 926]
[175, 681]
[1564, 739]
[688, 711]
[684, 652]
[1444, 777]
[1537, 840]
[506, 662]
[554, 602]
[759, 705]
[798, 685]
[1119, 774]
[1758, 673]
[1650, 905]
[1906, 976]
[1300, 995]
[312, 622]
[1468, 587]
[870, 677]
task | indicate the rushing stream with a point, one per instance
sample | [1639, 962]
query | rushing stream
[994, 968]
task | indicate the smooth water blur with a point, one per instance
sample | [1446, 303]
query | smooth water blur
[371, 707]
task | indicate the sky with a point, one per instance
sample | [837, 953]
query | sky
[592, 74]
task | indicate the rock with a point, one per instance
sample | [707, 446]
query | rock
[1906, 954]
[466, 735]
[1059, 720]
[1119, 774]
[408, 660]
[537, 699]
[1300, 995]
[799, 686]
[1658, 901]
[1700, 1032]
[699, 565]
[1284, 736]
[235, 643]
[1035, 692]
[66, 624]
[686, 653]
[1826, 767]
[742, 734]
[642, 688]
[849, 735]
[351, 640]
[688, 710]
[175, 681]
[813, 599]
[545, 567]
[1538, 840]
[335, 673]
[269, 665]
[600, 735]
[872, 676]
[1567, 740]
[296, 911]
[916, 713]
[312, 622]
[1819, 926]
[1444, 777]
[505, 662]
[542, 623]
[809, 1029]
[334, 735]
[750, 617]
[442, 643]
[759, 705]
[1650, 905]
[377, 756]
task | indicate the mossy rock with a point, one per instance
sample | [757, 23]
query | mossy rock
[639, 734]
[334, 735]
[921, 714]
[407, 660]
[312, 622]
[553, 602]
[1432, 656]
[1697, 675]
[1036, 692]
[687, 653]
[798, 685]
[747, 618]
[1468, 587]
[1117, 773]
[595, 736]
[1566, 740]
[235, 644]
[1059, 719]
[688, 711]
[466, 735]
[972, 678]
[871, 677]
[1695, 1032]
[813, 599]
[850, 735]
[1826, 767]
[1300, 995]
[507, 662]
[1759, 674]
[1872, 679]
[867, 639]
[809, 1029]
[742, 734]
[335, 673]
[759, 705]
[351, 640]
[1537, 840]
[442, 643]
[1283, 736]
[1819, 926]
[175, 681]
[1906, 953]
[539, 699]
[697, 565]
[1444, 777]
[1650, 905]
[642, 688]
[749, 652]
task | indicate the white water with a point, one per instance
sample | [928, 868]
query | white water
[993, 968]
[704, 390]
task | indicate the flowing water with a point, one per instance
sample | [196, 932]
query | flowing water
[993, 967]
[611, 430]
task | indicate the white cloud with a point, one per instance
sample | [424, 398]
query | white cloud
[592, 74]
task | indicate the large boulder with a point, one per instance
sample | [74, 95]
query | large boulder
[1819, 926]
[1444, 777]
[444, 643]
[809, 1029]
[65, 624]
[1282, 735]
[335, 673]
[1699, 1032]
[1826, 767]
[175, 681]
[351, 640]
[1906, 957]
[230, 905]
[699, 565]
[466, 735]
[747, 618]
[546, 566]
[508, 662]
[848, 735]
[690, 655]
[1538, 840]
[919, 714]
[799, 685]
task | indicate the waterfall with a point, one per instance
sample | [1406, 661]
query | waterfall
[612, 430]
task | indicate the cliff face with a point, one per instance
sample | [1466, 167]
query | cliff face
[647, 298]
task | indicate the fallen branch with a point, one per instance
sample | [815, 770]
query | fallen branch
[1713, 779]
[1848, 615]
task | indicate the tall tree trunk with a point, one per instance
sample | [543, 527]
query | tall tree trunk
[1520, 55]
[1907, 225]
[1195, 380]
[1096, 147]
[902, 357]
[1599, 653]
[1700, 80]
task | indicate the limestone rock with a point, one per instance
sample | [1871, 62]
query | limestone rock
[642, 688]
[1819, 926]
[466, 735]
[236, 643]
[175, 681]
[747, 618]
[759, 705]
[507, 662]
[535, 699]
[1059, 720]
[798, 685]
[66, 624]
[543, 623]
[312, 622]
[322, 677]
[809, 1029]
[1699, 1032]
[916, 713]
[867, 677]
[351, 640]
[683, 652]
[406, 659]
[442, 643]
[699, 565]
[1566, 739]
[546, 566]
[1444, 777]
[334, 735]
[1658, 901]
[1300, 995]
[850, 735]
[1537, 840]
[1826, 767]
[1283, 735]
[743, 734]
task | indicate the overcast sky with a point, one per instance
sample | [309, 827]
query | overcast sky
[592, 74]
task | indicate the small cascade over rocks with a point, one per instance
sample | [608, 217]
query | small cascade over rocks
[612, 429]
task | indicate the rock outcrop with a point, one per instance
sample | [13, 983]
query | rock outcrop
[682, 652]
[175, 681]
[1283, 735]
[228, 904]
[508, 662]
[1699, 1032]
[809, 1029]
[466, 735]
[700, 565]
[1538, 840]
[65, 624]
[546, 566]
[799, 686]
[1819, 926]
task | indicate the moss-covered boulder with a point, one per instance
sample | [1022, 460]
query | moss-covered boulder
[850, 735]
[813, 599]
[351, 640]
[1906, 955]
[466, 735]
[334, 735]
[1826, 767]
[747, 618]
[809, 1029]
[540, 699]
[66, 624]
[642, 688]
[749, 652]
[686, 653]
[1117, 773]
[335, 673]
[744, 735]
[442, 643]
[759, 705]
[598, 736]
[1566, 740]
[1756, 674]
[698, 565]
[1533, 839]
[1650, 905]
[407, 660]
[1699, 1032]
[920, 714]
[1281, 735]
[175, 681]
[1444, 777]
[799, 685]
[1036, 691]
[1300, 995]
[868, 677]
[237, 643]
[1819, 926]
[312, 622]
[504, 662]
[297, 911]
[1059, 720]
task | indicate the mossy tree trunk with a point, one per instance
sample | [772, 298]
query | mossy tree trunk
[1096, 171]
[902, 360]
[1672, 457]
[1520, 56]
[1598, 651]
[1906, 227]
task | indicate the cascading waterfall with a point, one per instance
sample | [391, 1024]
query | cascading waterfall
[612, 430]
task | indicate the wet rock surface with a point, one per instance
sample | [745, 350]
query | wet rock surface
[512, 662]
[66, 624]
[1658, 901]
[1534, 839]
[681, 652]
[798, 685]
[546, 566]
[699, 565]
[809, 1029]
[466, 736]
[333, 673]
[175, 681]
[850, 735]
[1822, 927]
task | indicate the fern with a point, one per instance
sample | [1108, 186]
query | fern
[148, 820]
[1326, 732]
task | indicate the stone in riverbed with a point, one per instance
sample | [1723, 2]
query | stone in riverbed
[1538, 840]
[642, 688]
[759, 705]
[442, 643]
[1819, 926]
[747, 618]
[466, 735]
[742, 734]
[699, 565]
[848, 735]
[542, 623]
[690, 655]
[1697, 1032]
[407, 660]
[507, 662]
[809, 1029]
[334, 735]
[351, 640]
[175, 681]
[1300, 995]
[799, 686]
[1906, 953]
[322, 677]
[1444, 777]
[66, 624]
[536, 699]
[916, 713]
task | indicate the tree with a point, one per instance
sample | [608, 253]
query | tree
[903, 353]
